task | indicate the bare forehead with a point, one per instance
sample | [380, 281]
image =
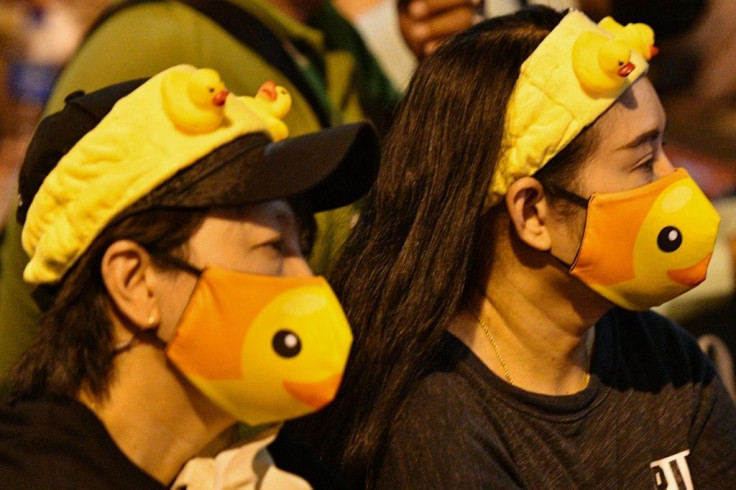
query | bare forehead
[637, 110]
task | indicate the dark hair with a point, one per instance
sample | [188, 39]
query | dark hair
[74, 346]
[408, 264]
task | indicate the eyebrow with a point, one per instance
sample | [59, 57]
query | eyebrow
[285, 215]
[643, 138]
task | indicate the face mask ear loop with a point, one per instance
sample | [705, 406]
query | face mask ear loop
[135, 339]
[178, 263]
[557, 191]
[125, 345]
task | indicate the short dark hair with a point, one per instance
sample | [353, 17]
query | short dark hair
[74, 347]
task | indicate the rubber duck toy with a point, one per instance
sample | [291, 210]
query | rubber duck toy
[639, 37]
[272, 102]
[657, 247]
[194, 100]
[601, 64]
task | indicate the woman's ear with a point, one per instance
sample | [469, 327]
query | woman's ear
[128, 274]
[529, 212]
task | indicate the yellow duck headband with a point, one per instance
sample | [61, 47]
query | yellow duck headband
[575, 74]
[179, 139]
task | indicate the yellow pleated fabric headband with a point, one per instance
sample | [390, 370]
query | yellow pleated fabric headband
[147, 137]
[574, 75]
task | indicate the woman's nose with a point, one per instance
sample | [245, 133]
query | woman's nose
[296, 266]
[663, 167]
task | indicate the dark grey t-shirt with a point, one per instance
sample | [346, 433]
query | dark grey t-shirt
[654, 415]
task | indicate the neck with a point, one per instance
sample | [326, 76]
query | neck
[543, 337]
[157, 419]
[299, 10]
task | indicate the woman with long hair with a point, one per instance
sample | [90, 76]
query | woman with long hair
[524, 220]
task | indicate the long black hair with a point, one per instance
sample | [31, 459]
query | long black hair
[407, 266]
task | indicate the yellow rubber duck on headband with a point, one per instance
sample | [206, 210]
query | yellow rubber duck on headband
[640, 37]
[601, 64]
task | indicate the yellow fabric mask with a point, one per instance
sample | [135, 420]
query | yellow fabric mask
[647, 245]
[262, 348]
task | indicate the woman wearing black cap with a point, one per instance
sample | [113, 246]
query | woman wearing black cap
[179, 299]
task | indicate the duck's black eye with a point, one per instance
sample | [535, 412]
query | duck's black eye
[669, 239]
[211, 89]
[286, 343]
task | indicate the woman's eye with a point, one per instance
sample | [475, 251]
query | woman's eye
[276, 245]
[647, 166]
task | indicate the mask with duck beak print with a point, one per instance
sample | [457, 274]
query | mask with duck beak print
[262, 348]
[645, 246]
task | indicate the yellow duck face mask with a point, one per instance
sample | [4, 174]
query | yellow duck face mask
[262, 348]
[647, 245]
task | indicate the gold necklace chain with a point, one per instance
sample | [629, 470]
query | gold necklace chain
[505, 367]
[496, 349]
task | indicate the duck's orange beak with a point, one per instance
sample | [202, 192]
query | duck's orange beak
[691, 276]
[317, 394]
[220, 97]
[269, 89]
[626, 69]
[653, 51]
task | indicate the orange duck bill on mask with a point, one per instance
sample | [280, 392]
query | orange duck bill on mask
[262, 348]
[645, 246]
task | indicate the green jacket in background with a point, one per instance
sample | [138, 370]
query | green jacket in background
[142, 40]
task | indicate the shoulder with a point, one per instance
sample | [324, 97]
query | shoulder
[656, 345]
[28, 434]
[456, 383]
[443, 437]
[166, 25]
[134, 42]
[54, 443]
[292, 455]
[435, 402]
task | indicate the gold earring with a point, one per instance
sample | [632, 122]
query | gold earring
[151, 320]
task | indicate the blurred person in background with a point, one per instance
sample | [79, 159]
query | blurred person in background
[379, 23]
[36, 38]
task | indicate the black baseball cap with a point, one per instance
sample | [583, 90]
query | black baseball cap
[329, 168]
